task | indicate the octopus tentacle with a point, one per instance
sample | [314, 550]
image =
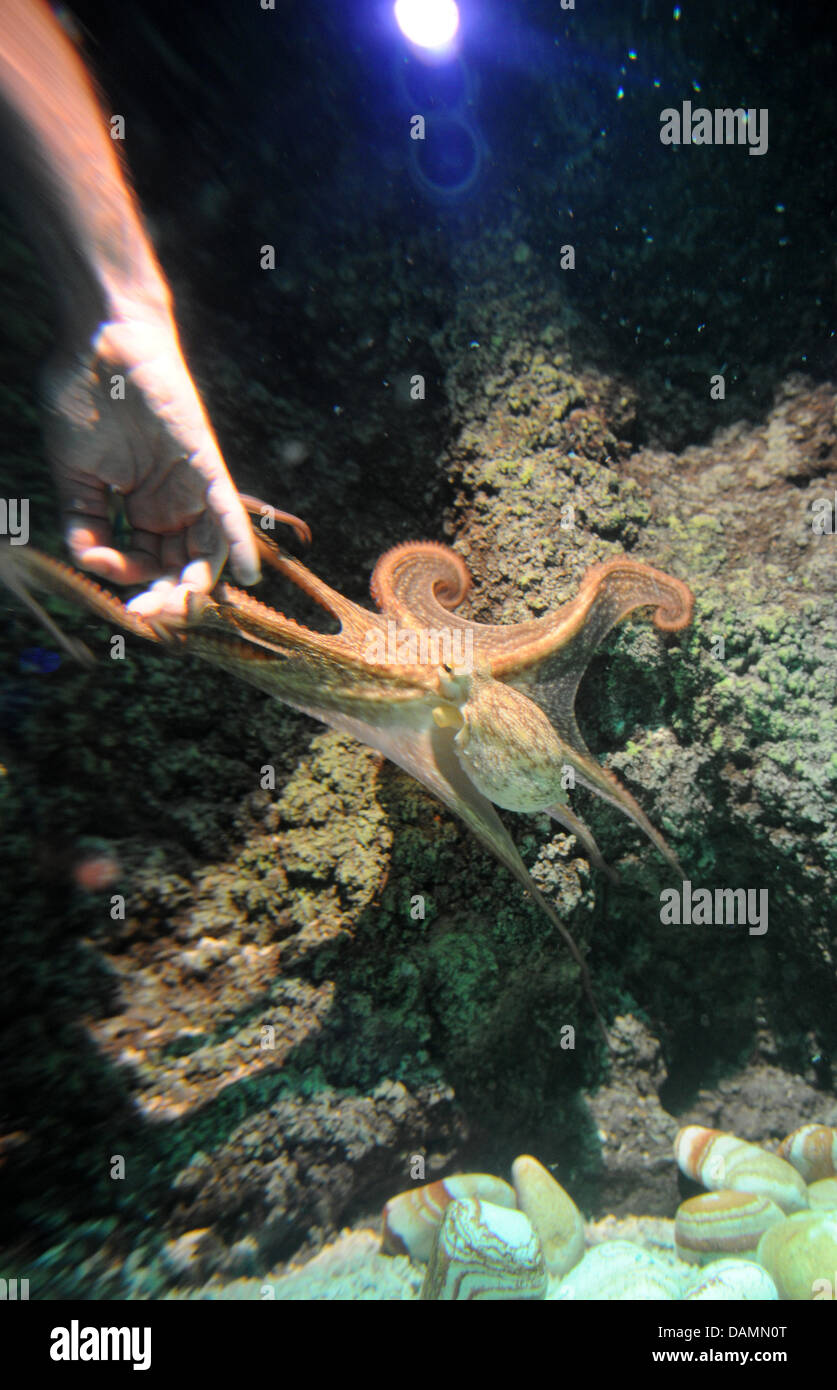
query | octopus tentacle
[356, 623]
[608, 593]
[418, 583]
[20, 567]
[256, 507]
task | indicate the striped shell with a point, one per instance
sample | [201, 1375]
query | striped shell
[720, 1161]
[812, 1149]
[556, 1219]
[733, 1281]
[822, 1195]
[800, 1255]
[722, 1223]
[484, 1252]
[412, 1219]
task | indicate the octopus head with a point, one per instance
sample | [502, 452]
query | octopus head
[503, 740]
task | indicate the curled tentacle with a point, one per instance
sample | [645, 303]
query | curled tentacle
[420, 582]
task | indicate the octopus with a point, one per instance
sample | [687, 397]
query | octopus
[482, 714]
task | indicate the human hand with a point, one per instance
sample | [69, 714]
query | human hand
[152, 444]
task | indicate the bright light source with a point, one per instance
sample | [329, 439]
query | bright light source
[427, 23]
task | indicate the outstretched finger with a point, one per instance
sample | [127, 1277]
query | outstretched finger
[88, 538]
[225, 506]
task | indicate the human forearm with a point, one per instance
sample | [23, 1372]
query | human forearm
[65, 177]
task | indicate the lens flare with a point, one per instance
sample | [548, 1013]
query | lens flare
[427, 23]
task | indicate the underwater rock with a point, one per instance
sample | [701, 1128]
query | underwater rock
[721, 1161]
[412, 1219]
[190, 1258]
[722, 1223]
[351, 1269]
[812, 1149]
[733, 1281]
[483, 1251]
[800, 1255]
[556, 1219]
[619, 1271]
[634, 1131]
